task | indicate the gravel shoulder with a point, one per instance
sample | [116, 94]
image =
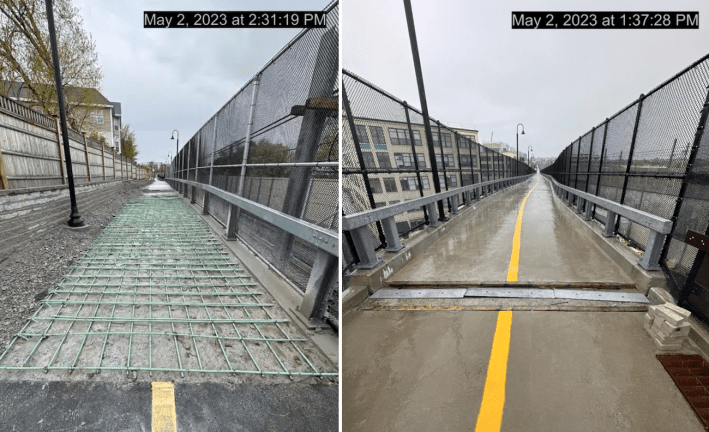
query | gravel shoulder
[40, 264]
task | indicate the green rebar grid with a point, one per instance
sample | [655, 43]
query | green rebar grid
[157, 254]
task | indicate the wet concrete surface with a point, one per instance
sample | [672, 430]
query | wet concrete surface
[426, 370]
[478, 251]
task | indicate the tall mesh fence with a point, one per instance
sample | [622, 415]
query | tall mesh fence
[292, 105]
[654, 156]
[387, 160]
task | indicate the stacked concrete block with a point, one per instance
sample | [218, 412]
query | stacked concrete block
[668, 326]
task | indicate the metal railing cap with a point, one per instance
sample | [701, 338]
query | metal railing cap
[648, 220]
[323, 238]
[357, 220]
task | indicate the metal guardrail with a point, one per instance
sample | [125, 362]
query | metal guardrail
[357, 223]
[659, 227]
[327, 242]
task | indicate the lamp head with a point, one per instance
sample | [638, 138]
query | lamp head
[522, 131]
[172, 137]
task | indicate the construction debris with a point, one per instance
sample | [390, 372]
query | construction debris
[667, 325]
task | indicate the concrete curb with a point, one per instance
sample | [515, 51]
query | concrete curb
[617, 251]
[363, 283]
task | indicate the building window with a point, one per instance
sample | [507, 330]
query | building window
[115, 127]
[424, 182]
[399, 136]
[446, 139]
[409, 183]
[362, 134]
[464, 160]
[376, 185]
[403, 160]
[452, 180]
[383, 159]
[379, 204]
[377, 134]
[463, 142]
[417, 138]
[97, 116]
[368, 160]
[421, 160]
[449, 160]
[442, 181]
[390, 184]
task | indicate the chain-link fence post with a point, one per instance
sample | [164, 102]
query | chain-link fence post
[588, 166]
[630, 155]
[415, 156]
[360, 159]
[698, 135]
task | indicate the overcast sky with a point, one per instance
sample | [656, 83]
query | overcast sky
[480, 73]
[171, 79]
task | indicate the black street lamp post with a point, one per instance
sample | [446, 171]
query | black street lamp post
[517, 157]
[75, 220]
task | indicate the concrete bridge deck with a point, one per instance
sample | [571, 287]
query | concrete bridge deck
[552, 251]
[422, 364]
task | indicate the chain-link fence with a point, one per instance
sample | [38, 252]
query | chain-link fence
[653, 156]
[388, 159]
[263, 145]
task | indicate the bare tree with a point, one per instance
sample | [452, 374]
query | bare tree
[25, 57]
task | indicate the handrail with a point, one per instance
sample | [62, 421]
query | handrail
[323, 238]
[357, 220]
[659, 227]
[324, 270]
[357, 224]
[648, 220]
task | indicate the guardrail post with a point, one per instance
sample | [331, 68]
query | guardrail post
[588, 212]
[478, 195]
[579, 205]
[609, 228]
[319, 288]
[569, 199]
[454, 204]
[368, 259]
[392, 235]
[232, 223]
[431, 208]
[650, 259]
[466, 198]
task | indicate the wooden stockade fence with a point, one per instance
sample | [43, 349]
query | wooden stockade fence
[32, 152]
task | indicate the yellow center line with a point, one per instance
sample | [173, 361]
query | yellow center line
[490, 416]
[512, 272]
[164, 417]
[493, 403]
